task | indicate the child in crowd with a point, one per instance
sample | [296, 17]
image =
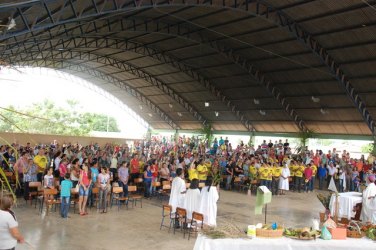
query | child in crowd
[66, 186]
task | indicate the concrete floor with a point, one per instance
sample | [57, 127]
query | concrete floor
[138, 228]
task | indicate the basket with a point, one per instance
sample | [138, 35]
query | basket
[269, 233]
[356, 233]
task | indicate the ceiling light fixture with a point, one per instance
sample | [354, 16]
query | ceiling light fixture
[216, 113]
[150, 114]
[180, 114]
[170, 105]
[140, 107]
[262, 112]
[315, 99]
[60, 49]
[256, 101]
[10, 25]
[207, 104]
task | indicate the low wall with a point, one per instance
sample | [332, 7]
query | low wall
[22, 139]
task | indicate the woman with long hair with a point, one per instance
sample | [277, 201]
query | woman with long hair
[85, 182]
[208, 203]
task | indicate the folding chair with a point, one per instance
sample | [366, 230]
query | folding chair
[138, 182]
[167, 212]
[34, 191]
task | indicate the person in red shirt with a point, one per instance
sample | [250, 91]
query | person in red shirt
[308, 172]
[135, 168]
[155, 172]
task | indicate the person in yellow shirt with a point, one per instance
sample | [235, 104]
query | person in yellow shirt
[292, 168]
[314, 172]
[192, 172]
[276, 172]
[265, 175]
[253, 172]
[299, 176]
[202, 170]
[41, 161]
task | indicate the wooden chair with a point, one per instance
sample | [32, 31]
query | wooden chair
[95, 192]
[139, 183]
[196, 224]
[49, 198]
[156, 185]
[237, 182]
[167, 213]
[165, 192]
[74, 199]
[133, 196]
[166, 183]
[34, 191]
[116, 191]
[181, 217]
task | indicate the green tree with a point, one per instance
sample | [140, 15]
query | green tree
[46, 118]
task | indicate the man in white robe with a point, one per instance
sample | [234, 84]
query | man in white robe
[284, 180]
[208, 204]
[369, 201]
[178, 190]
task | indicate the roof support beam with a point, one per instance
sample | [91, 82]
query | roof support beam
[34, 60]
[121, 65]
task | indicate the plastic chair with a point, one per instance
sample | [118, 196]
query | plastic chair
[196, 224]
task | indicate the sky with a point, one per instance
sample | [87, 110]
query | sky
[32, 85]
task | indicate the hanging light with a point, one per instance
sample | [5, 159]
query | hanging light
[262, 112]
[180, 114]
[216, 113]
[256, 101]
[170, 105]
[207, 104]
[150, 114]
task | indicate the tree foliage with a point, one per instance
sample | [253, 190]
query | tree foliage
[47, 118]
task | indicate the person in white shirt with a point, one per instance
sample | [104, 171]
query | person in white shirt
[208, 203]
[103, 180]
[178, 190]
[192, 198]
[9, 233]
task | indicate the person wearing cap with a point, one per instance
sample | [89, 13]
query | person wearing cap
[368, 213]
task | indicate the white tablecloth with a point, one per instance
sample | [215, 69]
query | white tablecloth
[346, 202]
[203, 243]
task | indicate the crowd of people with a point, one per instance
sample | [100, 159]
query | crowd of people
[159, 159]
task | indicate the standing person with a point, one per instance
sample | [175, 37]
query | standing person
[332, 171]
[148, 175]
[114, 165]
[308, 175]
[202, 170]
[75, 173]
[155, 173]
[65, 193]
[94, 175]
[19, 167]
[123, 174]
[41, 161]
[9, 233]
[85, 183]
[284, 180]
[321, 173]
[192, 198]
[276, 171]
[208, 202]
[368, 213]
[30, 175]
[299, 176]
[229, 175]
[178, 190]
[63, 169]
[56, 162]
[135, 168]
[104, 187]
[164, 173]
